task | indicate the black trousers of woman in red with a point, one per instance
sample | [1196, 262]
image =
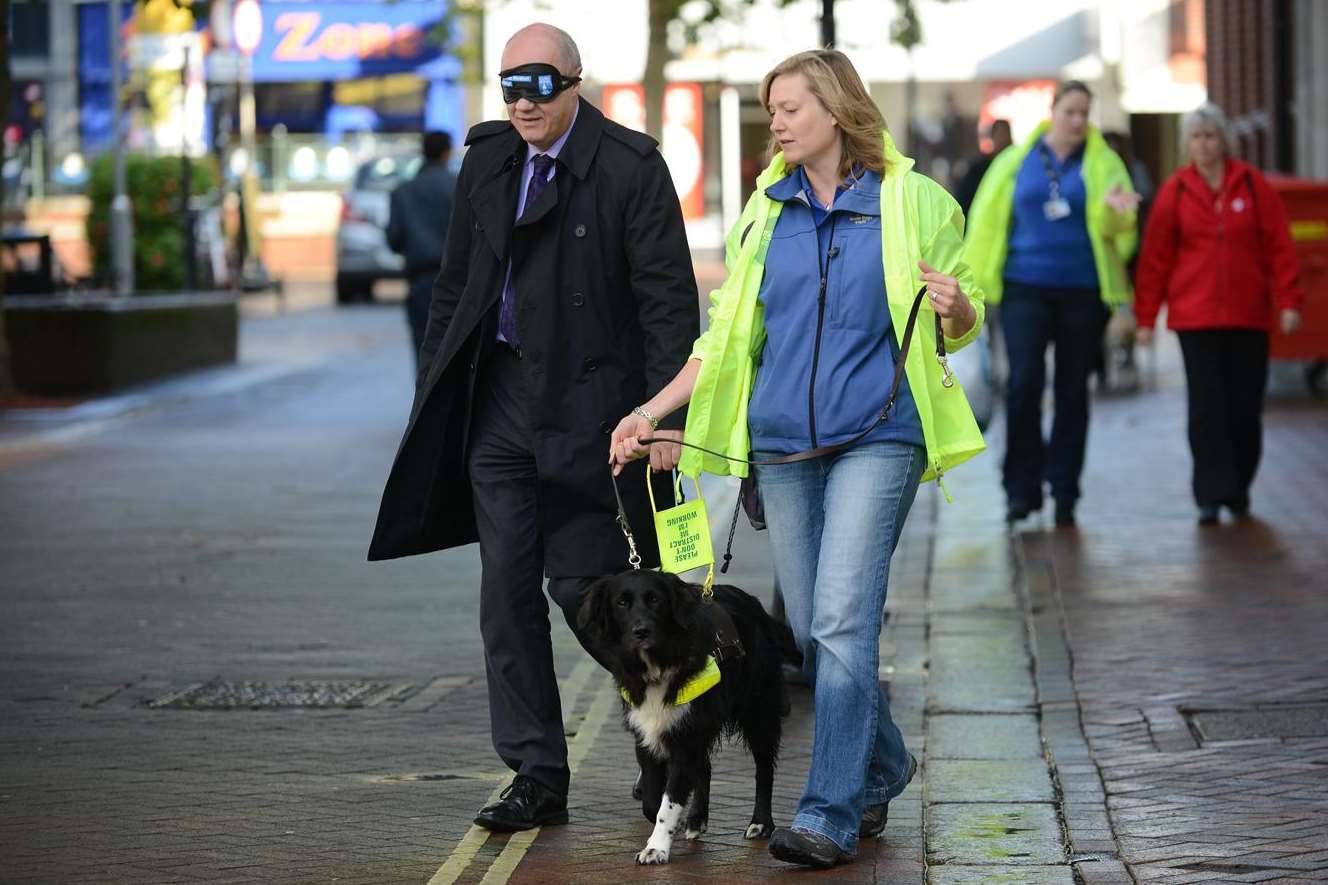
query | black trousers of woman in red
[1226, 373]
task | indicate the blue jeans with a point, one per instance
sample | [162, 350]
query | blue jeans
[834, 523]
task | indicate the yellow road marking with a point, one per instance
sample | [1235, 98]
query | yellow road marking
[606, 700]
[461, 856]
[505, 864]
[476, 836]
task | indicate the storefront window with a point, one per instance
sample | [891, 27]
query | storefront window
[397, 100]
[300, 107]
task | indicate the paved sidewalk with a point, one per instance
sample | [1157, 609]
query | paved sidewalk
[1082, 702]
[1197, 654]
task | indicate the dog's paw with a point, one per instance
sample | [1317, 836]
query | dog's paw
[757, 830]
[653, 856]
[693, 832]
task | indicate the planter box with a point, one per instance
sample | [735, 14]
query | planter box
[101, 343]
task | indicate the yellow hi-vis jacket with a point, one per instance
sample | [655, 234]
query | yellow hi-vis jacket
[1113, 234]
[919, 221]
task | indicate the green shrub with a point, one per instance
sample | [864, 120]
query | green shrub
[153, 184]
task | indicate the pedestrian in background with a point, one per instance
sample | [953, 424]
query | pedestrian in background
[838, 211]
[1218, 253]
[999, 133]
[420, 210]
[566, 296]
[1117, 371]
[1052, 226]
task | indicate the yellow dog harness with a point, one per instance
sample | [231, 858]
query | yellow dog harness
[705, 679]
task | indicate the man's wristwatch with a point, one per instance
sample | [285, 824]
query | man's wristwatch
[654, 422]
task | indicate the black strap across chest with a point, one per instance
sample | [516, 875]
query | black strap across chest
[727, 644]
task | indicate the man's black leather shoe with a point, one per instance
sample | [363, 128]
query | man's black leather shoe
[805, 848]
[524, 805]
[875, 816]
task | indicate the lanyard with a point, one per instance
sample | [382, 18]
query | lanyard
[1053, 173]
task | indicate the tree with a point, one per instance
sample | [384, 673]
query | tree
[660, 13]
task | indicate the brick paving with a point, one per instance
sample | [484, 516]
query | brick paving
[1043, 677]
[1164, 619]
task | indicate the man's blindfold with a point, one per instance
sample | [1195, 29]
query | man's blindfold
[534, 82]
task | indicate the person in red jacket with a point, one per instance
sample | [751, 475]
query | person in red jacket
[1218, 251]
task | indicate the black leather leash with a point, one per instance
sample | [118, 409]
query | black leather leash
[633, 558]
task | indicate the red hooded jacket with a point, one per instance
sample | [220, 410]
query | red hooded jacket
[1220, 260]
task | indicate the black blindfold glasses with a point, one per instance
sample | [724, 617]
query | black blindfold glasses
[538, 83]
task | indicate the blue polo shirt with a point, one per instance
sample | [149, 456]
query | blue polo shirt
[1050, 253]
[858, 349]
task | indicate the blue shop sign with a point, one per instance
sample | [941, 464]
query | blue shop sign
[304, 41]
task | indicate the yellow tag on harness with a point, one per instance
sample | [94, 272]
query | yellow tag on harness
[693, 688]
[683, 534]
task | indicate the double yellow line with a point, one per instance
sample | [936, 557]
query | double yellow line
[603, 702]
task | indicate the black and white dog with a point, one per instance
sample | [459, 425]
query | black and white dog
[655, 634]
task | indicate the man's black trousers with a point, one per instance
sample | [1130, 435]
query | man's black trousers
[417, 307]
[525, 711]
[1226, 372]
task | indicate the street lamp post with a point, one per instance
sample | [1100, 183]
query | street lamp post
[827, 23]
[248, 34]
[122, 208]
[187, 181]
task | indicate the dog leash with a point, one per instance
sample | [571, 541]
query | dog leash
[633, 558]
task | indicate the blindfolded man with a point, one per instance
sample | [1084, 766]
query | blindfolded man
[566, 298]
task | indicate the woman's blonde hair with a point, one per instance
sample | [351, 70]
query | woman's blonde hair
[832, 78]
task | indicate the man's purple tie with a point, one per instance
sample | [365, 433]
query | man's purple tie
[507, 313]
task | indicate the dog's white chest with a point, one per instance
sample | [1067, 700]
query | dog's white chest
[655, 718]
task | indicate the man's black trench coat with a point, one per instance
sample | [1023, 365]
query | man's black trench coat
[607, 314]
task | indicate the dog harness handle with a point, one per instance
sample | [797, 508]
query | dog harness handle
[674, 533]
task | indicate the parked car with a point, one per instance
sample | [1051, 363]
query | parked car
[363, 256]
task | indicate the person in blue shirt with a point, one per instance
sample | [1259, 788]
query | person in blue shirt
[1053, 292]
[819, 343]
[849, 361]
